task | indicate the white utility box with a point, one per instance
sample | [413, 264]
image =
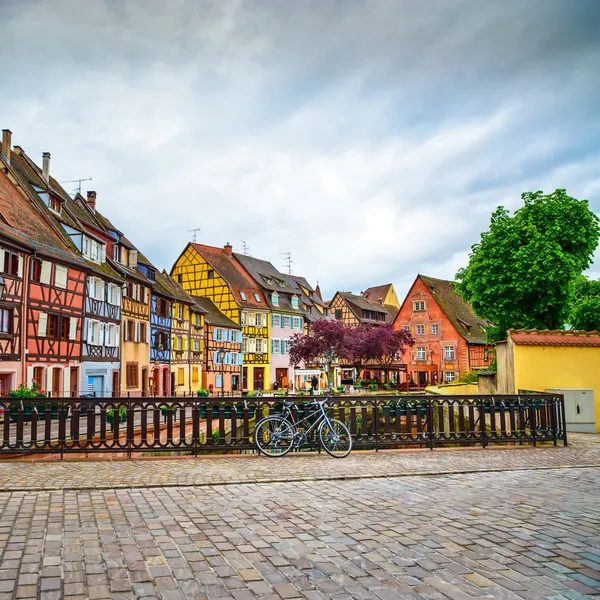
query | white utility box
[580, 410]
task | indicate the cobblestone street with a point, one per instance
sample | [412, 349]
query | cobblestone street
[520, 533]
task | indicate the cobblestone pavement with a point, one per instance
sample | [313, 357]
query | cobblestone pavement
[518, 534]
[583, 450]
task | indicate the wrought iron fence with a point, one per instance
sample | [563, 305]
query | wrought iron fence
[203, 425]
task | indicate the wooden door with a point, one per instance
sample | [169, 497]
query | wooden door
[56, 382]
[116, 383]
[259, 378]
[245, 378]
[74, 382]
[280, 375]
[144, 382]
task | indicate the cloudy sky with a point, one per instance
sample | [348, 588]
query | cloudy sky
[370, 139]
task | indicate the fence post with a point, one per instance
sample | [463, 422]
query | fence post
[376, 422]
[564, 417]
[482, 424]
[62, 426]
[532, 418]
[430, 422]
[129, 428]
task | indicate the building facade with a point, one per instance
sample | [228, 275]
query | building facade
[215, 273]
[449, 338]
[222, 370]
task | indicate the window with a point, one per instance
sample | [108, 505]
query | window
[421, 355]
[275, 299]
[243, 319]
[180, 312]
[196, 345]
[338, 314]
[435, 329]
[194, 376]
[38, 376]
[219, 335]
[60, 276]
[285, 346]
[419, 306]
[211, 274]
[244, 344]
[55, 204]
[243, 296]
[6, 320]
[406, 328]
[450, 376]
[179, 342]
[117, 253]
[112, 294]
[180, 280]
[256, 297]
[65, 328]
[131, 375]
[143, 333]
[294, 302]
[36, 269]
[420, 329]
[261, 320]
[449, 352]
[259, 345]
[296, 323]
[11, 263]
[197, 321]
[180, 376]
[275, 346]
[275, 321]
[286, 321]
[129, 330]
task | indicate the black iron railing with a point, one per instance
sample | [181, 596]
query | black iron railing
[201, 425]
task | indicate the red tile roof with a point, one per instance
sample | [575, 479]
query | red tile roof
[534, 337]
[229, 268]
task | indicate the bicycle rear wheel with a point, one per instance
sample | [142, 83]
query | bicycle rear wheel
[274, 436]
[335, 438]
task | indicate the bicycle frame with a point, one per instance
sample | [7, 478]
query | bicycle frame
[289, 415]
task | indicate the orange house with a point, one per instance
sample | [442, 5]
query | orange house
[449, 338]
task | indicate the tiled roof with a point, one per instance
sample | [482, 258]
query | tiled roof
[231, 270]
[535, 337]
[213, 315]
[300, 283]
[376, 293]
[267, 277]
[461, 315]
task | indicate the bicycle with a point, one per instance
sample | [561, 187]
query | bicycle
[276, 435]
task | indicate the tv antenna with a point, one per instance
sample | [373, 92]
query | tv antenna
[78, 182]
[246, 248]
[287, 259]
[195, 232]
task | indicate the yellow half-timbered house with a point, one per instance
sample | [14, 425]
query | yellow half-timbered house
[215, 273]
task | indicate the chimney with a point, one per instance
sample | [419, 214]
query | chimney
[228, 249]
[46, 166]
[6, 142]
[91, 200]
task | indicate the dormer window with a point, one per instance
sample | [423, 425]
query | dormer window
[294, 301]
[243, 296]
[256, 297]
[93, 250]
[275, 299]
[55, 204]
[211, 274]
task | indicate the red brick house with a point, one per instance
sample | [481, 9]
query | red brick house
[449, 338]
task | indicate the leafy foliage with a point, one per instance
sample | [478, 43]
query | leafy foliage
[469, 377]
[585, 312]
[521, 273]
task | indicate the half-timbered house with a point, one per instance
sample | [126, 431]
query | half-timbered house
[222, 370]
[286, 318]
[449, 337]
[52, 277]
[215, 273]
[100, 367]
[161, 352]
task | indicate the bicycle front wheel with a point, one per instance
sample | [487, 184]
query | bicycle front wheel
[274, 436]
[335, 438]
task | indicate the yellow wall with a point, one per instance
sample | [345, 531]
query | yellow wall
[545, 367]
[458, 389]
[391, 298]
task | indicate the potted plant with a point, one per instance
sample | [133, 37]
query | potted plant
[22, 392]
[121, 414]
[202, 393]
[165, 409]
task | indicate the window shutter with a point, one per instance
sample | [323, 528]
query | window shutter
[101, 287]
[136, 331]
[103, 334]
[102, 253]
[73, 328]
[60, 276]
[42, 324]
[2, 252]
[45, 273]
[20, 266]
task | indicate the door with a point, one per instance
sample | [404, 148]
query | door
[144, 382]
[422, 378]
[74, 382]
[5, 385]
[280, 376]
[244, 378]
[166, 376]
[580, 412]
[259, 378]
[235, 383]
[56, 382]
[96, 385]
[116, 383]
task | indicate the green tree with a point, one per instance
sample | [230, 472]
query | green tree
[522, 272]
[585, 311]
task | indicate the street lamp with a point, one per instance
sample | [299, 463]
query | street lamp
[221, 360]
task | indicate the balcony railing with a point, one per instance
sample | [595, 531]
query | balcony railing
[200, 425]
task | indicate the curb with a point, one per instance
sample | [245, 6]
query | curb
[272, 480]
